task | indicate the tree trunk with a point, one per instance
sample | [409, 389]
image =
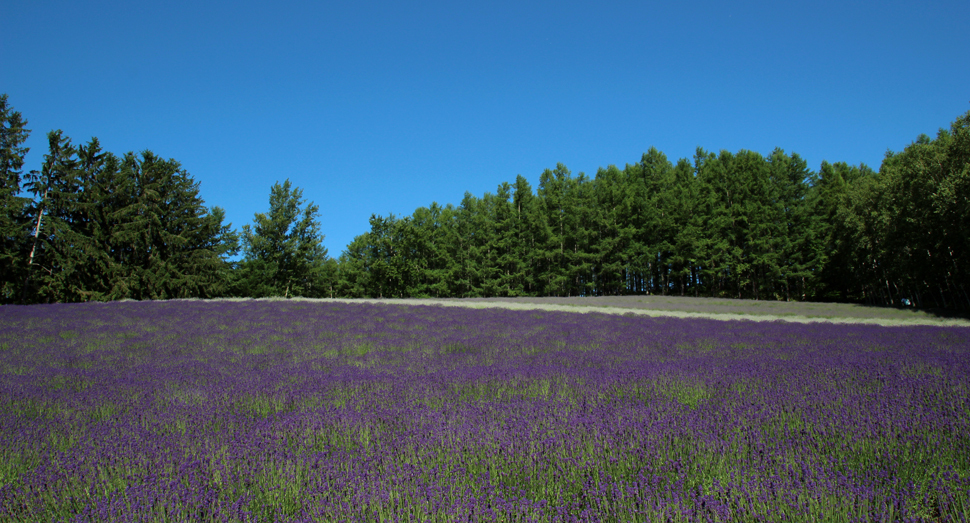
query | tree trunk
[33, 249]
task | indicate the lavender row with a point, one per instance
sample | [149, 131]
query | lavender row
[302, 411]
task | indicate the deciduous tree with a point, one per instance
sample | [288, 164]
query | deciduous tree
[284, 252]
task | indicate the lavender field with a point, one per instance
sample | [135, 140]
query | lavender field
[300, 411]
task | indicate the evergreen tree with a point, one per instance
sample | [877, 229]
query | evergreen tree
[559, 208]
[429, 224]
[225, 245]
[647, 225]
[57, 175]
[353, 274]
[13, 218]
[714, 247]
[386, 277]
[728, 224]
[457, 230]
[471, 234]
[658, 228]
[423, 241]
[497, 244]
[799, 246]
[531, 232]
[689, 228]
[453, 255]
[165, 243]
[843, 260]
[762, 223]
[76, 238]
[582, 269]
[612, 231]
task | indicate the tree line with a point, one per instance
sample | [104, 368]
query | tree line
[96, 226]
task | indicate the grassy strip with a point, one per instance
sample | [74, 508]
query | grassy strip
[618, 309]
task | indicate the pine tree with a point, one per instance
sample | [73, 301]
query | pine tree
[762, 221]
[471, 233]
[925, 215]
[385, 277]
[582, 268]
[843, 262]
[353, 272]
[164, 242]
[225, 245]
[648, 223]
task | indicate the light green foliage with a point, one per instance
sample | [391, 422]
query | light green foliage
[284, 253]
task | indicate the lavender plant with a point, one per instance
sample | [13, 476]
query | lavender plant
[300, 411]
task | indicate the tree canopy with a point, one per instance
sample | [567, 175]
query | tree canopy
[725, 224]
[90, 225]
[104, 227]
[284, 252]
[13, 217]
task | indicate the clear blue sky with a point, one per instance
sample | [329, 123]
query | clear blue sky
[382, 107]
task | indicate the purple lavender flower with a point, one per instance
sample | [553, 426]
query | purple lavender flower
[303, 411]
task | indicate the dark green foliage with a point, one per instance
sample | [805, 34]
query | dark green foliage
[726, 225]
[430, 251]
[284, 252]
[651, 224]
[167, 244]
[13, 217]
[122, 228]
[688, 236]
[501, 265]
[531, 231]
[900, 234]
[610, 237]
[557, 193]
[55, 189]
[845, 234]
[729, 225]
[799, 247]
[100, 227]
[379, 263]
